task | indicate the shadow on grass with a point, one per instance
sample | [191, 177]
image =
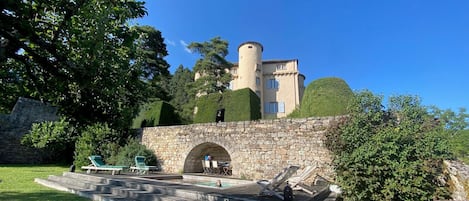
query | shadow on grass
[40, 196]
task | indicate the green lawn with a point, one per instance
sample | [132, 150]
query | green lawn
[17, 183]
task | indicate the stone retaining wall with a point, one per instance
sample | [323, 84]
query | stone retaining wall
[256, 149]
[14, 125]
[459, 179]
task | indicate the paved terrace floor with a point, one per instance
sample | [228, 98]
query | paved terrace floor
[246, 192]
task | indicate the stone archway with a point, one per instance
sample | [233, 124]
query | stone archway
[193, 163]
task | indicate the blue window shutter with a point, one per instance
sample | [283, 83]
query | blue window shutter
[281, 107]
[274, 107]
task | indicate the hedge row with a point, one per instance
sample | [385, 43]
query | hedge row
[157, 113]
[239, 105]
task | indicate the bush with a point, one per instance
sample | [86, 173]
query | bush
[393, 154]
[239, 105]
[96, 139]
[456, 125]
[325, 97]
[56, 138]
[460, 145]
[155, 114]
[207, 107]
[127, 154]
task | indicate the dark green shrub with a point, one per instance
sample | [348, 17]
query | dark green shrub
[127, 154]
[156, 113]
[325, 97]
[242, 105]
[296, 113]
[239, 105]
[55, 138]
[207, 107]
[96, 139]
[389, 154]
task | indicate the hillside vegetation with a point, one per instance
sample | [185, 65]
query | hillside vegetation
[389, 153]
[460, 145]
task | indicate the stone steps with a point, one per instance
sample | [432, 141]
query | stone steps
[120, 188]
[117, 189]
[104, 189]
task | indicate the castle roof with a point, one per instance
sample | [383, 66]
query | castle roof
[251, 42]
[271, 61]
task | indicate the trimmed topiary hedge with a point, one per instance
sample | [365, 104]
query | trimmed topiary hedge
[157, 113]
[239, 105]
[325, 97]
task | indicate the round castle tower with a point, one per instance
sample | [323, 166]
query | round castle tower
[250, 66]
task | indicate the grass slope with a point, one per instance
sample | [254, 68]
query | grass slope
[17, 183]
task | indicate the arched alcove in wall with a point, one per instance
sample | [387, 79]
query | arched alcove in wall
[193, 162]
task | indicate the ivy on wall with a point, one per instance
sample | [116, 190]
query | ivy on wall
[157, 113]
[239, 105]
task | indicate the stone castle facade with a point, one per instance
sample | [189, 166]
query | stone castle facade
[278, 83]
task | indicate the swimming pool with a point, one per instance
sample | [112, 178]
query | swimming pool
[214, 184]
[202, 181]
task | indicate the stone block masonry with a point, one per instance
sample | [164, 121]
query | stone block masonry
[14, 125]
[255, 149]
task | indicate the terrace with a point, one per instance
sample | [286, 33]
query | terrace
[159, 186]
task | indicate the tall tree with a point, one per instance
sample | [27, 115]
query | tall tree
[82, 55]
[151, 51]
[456, 126]
[182, 99]
[212, 68]
[11, 87]
[452, 121]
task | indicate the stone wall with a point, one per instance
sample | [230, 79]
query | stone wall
[256, 149]
[458, 179]
[14, 125]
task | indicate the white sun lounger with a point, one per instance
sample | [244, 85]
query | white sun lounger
[271, 187]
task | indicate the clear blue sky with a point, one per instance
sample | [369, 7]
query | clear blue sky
[398, 47]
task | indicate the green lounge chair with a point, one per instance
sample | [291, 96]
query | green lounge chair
[140, 166]
[97, 164]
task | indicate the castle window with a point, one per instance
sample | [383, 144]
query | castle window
[234, 71]
[272, 84]
[281, 107]
[249, 46]
[258, 81]
[271, 107]
[281, 67]
[274, 107]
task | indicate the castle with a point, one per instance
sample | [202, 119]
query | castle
[278, 83]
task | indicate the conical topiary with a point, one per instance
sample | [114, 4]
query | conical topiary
[326, 97]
